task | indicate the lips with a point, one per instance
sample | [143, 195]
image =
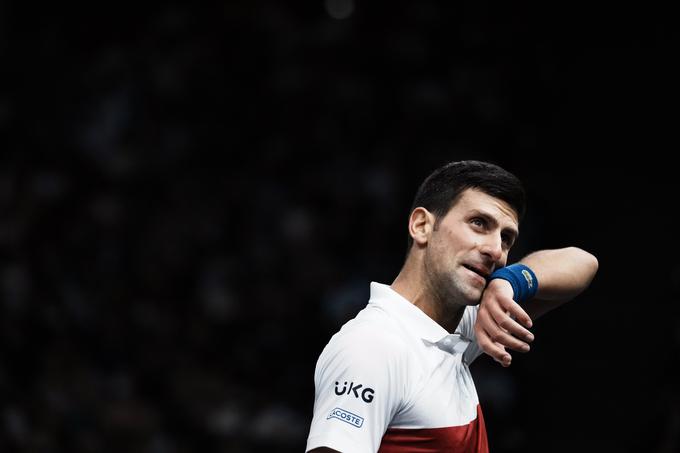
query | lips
[482, 271]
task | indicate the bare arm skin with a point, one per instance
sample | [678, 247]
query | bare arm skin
[562, 275]
[502, 323]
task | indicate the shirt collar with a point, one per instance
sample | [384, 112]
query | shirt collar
[417, 321]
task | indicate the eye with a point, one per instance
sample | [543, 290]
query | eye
[507, 240]
[478, 221]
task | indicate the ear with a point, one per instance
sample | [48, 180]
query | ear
[420, 225]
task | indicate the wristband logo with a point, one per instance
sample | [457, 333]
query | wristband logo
[346, 416]
[366, 394]
[527, 277]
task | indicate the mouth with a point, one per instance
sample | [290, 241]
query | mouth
[479, 270]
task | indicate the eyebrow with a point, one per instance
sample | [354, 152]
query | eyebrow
[491, 219]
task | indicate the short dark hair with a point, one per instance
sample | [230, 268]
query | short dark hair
[440, 191]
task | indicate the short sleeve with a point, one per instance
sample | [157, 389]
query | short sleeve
[358, 389]
[466, 328]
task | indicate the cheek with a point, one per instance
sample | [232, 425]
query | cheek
[446, 259]
[458, 237]
[439, 256]
[451, 244]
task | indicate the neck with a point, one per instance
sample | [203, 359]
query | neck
[414, 285]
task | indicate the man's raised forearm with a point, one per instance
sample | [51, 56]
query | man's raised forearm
[562, 274]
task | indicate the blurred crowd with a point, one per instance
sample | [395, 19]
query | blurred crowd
[193, 198]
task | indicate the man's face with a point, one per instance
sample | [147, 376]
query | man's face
[470, 241]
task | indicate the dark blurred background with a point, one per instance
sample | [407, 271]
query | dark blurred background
[195, 196]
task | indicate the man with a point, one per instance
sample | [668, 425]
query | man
[396, 378]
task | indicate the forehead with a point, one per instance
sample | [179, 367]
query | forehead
[475, 201]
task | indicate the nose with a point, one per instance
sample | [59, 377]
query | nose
[492, 246]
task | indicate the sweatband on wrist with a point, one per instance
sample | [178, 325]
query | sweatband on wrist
[522, 278]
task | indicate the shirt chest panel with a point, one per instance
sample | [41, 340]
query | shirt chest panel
[442, 392]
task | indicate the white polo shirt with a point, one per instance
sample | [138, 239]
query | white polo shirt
[393, 380]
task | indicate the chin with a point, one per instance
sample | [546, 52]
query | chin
[474, 297]
[473, 302]
[469, 297]
[460, 292]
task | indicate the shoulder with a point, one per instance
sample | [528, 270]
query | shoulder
[370, 340]
[372, 357]
[365, 338]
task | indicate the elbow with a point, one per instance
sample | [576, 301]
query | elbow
[589, 261]
[594, 263]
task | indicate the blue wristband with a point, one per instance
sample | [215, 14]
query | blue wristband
[523, 280]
